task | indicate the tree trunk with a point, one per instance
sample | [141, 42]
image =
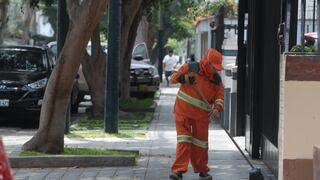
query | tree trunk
[94, 70]
[28, 13]
[150, 40]
[49, 137]
[132, 14]
[3, 18]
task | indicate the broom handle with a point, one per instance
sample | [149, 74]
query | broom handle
[234, 142]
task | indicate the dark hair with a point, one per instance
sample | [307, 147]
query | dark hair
[170, 50]
[192, 58]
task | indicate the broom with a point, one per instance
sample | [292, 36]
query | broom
[254, 173]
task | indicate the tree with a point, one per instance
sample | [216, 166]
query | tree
[50, 138]
[94, 70]
[28, 14]
[132, 12]
[177, 23]
[180, 17]
[3, 17]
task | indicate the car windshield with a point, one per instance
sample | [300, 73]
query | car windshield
[21, 60]
[140, 51]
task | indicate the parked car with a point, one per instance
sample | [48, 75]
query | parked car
[24, 73]
[83, 85]
[144, 77]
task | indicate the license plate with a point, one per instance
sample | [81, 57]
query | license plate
[4, 102]
[143, 87]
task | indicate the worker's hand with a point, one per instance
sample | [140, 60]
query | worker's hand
[214, 115]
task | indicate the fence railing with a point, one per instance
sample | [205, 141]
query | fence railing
[315, 4]
[318, 22]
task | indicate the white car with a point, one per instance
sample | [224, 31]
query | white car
[144, 77]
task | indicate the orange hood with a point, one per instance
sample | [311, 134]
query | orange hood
[211, 58]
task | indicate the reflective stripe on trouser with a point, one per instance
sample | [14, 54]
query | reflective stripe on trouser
[192, 136]
[194, 141]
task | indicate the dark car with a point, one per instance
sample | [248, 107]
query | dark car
[24, 73]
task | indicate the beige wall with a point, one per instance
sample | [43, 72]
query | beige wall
[299, 119]
[301, 126]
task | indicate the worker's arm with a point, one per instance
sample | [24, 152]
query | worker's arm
[185, 74]
[218, 101]
[178, 76]
[219, 97]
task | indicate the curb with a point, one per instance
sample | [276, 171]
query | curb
[71, 161]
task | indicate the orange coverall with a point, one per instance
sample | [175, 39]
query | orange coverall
[192, 118]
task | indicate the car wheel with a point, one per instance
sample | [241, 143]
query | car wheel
[150, 94]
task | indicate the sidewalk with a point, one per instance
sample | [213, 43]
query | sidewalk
[157, 152]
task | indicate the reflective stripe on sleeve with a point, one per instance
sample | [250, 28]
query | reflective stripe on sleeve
[220, 102]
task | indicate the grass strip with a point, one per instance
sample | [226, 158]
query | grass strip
[105, 135]
[136, 103]
[127, 121]
[84, 151]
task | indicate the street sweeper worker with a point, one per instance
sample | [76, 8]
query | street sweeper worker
[199, 100]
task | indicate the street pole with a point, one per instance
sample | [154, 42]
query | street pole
[318, 23]
[111, 115]
[314, 17]
[62, 30]
[303, 22]
[160, 42]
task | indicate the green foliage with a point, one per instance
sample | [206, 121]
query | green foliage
[15, 20]
[35, 3]
[180, 15]
[299, 48]
[177, 25]
[84, 151]
[203, 8]
[101, 134]
[136, 103]
[175, 44]
[104, 26]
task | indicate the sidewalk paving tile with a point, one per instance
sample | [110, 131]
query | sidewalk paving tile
[157, 151]
[72, 174]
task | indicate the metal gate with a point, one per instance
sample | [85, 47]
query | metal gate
[258, 78]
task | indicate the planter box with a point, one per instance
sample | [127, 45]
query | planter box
[302, 67]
